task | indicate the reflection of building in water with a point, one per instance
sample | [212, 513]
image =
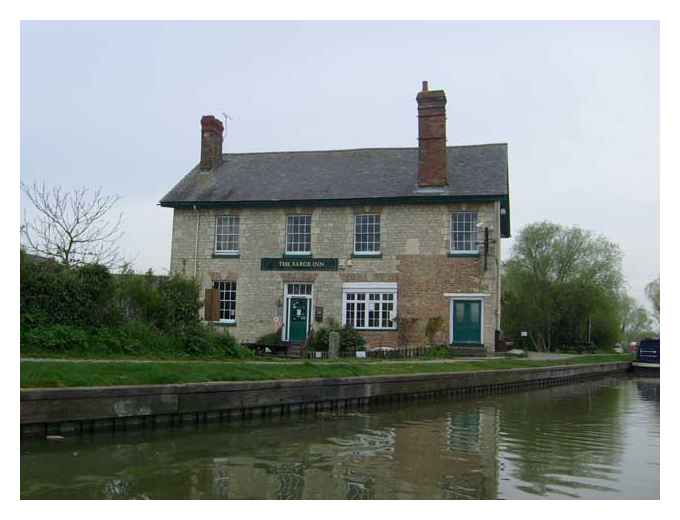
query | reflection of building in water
[404, 453]
[467, 468]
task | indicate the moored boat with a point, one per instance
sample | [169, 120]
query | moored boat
[647, 358]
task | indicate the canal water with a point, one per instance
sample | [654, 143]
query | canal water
[593, 439]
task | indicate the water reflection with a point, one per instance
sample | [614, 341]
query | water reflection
[597, 440]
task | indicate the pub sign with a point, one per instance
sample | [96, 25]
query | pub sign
[299, 264]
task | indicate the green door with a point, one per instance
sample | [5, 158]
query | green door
[297, 319]
[467, 321]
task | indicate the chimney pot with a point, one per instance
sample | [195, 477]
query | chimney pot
[212, 131]
[425, 86]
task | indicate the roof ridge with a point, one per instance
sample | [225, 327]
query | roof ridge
[357, 149]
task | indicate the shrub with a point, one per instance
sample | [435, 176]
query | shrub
[319, 339]
[52, 293]
[438, 352]
[87, 310]
[273, 338]
[55, 339]
[134, 338]
[432, 328]
[350, 339]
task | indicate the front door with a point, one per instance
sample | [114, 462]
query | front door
[467, 321]
[297, 319]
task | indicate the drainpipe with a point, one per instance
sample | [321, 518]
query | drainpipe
[198, 221]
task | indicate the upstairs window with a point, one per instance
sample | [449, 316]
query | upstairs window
[366, 234]
[299, 235]
[227, 299]
[464, 232]
[227, 234]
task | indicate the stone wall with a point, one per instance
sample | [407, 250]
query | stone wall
[414, 244]
[68, 410]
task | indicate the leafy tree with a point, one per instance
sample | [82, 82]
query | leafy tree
[635, 320]
[561, 285]
[653, 291]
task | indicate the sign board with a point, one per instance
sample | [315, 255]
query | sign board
[360, 354]
[318, 313]
[299, 264]
[524, 334]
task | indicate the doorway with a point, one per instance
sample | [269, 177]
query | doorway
[298, 311]
[466, 321]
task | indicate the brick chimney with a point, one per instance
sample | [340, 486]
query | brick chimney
[211, 142]
[432, 169]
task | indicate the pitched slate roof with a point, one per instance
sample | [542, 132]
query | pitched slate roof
[474, 171]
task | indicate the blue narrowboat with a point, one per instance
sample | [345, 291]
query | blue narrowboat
[647, 357]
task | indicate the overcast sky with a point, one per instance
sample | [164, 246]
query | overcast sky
[118, 105]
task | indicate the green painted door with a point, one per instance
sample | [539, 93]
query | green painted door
[467, 321]
[297, 318]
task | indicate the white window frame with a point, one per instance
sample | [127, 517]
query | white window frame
[228, 252]
[235, 300]
[298, 253]
[474, 239]
[370, 288]
[379, 226]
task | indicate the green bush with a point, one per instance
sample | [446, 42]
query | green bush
[319, 339]
[131, 339]
[350, 339]
[432, 328]
[52, 293]
[438, 352]
[55, 339]
[273, 338]
[90, 312]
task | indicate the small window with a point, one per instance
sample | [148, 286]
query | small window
[366, 234]
[299, 235]
[227, 299]
[226, 234]
[464, 232]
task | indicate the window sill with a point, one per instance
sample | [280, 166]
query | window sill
[364, 329]
[224, 323]
[368, 255]
[463, 253]
[226, 255]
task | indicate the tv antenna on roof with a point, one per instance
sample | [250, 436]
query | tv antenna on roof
[226, 117]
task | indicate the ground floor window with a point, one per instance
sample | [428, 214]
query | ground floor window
[370, 306]
[227, 298]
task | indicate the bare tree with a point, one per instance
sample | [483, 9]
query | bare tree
[75, 227]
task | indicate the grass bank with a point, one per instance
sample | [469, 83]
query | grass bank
[43, 374]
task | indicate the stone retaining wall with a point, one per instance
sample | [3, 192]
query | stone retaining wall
[68, 410]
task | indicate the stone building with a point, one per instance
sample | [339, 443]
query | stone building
[403, 244]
